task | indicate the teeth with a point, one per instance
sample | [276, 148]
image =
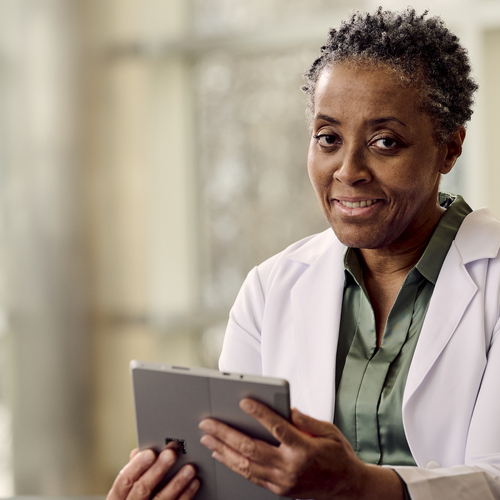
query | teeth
[358, 204]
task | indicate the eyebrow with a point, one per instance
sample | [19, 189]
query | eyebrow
[328, 119]
[374, 121]
[384, 119]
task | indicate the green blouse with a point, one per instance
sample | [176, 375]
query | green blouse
[370, 382]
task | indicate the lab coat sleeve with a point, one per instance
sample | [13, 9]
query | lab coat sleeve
[461, 482]
[241, 350]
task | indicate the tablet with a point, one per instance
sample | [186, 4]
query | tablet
[170, 401]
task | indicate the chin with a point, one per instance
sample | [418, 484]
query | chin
[362, 241]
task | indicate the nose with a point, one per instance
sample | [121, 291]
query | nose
[353, 169]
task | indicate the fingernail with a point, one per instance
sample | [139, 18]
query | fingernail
[206, 425]
[188, 472]
[207, 441]
[247, 405]
[168, 456]
[194, 485]
[146, 456]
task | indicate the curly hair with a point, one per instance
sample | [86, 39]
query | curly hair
[419, 49]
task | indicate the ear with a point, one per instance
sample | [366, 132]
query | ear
[452, 150]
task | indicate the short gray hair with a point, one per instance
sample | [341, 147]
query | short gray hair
[413, 46]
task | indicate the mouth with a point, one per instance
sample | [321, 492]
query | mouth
[357, 204]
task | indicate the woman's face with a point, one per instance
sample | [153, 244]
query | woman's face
[373, 159]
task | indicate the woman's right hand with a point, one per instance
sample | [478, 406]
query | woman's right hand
[139, 478]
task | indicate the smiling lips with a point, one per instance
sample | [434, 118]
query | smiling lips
[357, 204]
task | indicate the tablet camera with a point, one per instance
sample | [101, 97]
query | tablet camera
[179, 445]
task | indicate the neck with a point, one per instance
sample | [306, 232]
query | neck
[397, 259]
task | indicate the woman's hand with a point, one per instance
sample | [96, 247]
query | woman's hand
[314, 460]
[139, 478]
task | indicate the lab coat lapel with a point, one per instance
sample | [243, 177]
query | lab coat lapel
[477, 238]
[453, 312]
[453, 293]
[316, 304]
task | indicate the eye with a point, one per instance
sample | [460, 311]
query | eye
[326, 140]
[386, 143]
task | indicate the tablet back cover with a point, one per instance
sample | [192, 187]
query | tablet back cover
[171, 401]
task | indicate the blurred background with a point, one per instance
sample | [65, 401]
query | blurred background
[151, 153]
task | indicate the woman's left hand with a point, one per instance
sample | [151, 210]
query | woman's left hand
[313, 460]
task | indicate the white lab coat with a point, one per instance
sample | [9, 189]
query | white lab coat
[285, 323]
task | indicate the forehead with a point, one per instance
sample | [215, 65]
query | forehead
[365, 89]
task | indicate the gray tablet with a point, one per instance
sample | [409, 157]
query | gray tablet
[170, 402]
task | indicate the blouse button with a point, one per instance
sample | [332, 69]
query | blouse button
[433, 464]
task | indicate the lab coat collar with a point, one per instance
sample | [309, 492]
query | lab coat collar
[478, 237]
[313, 249]
[317, 315]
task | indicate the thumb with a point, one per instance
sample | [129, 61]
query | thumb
[312, 426]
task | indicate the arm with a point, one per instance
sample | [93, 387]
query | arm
[313, 460]
[242, 342]
[477, 475]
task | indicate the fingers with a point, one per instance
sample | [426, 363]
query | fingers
[312, 426]
[191, 490]
[310, 462]
[224, 440]
[219, 436]
[146, 484]
[125, 480]
[141, 476]
[182, 486]
[245, 459]
[260, 462]
[279, 427]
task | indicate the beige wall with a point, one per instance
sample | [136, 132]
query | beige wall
[491, 98]
[101, 233]
[141, 224]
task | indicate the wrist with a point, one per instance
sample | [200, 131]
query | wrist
[367, 482]
[381, 483]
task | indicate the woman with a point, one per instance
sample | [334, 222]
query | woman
[387, 326]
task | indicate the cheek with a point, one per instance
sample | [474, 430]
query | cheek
[310, 161]
[318, 171]
[312, 169]
[418, 178]
[410, 173]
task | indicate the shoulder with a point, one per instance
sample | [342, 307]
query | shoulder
[267, 288]
[297, 257]
[282, 270]
[479, 236]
